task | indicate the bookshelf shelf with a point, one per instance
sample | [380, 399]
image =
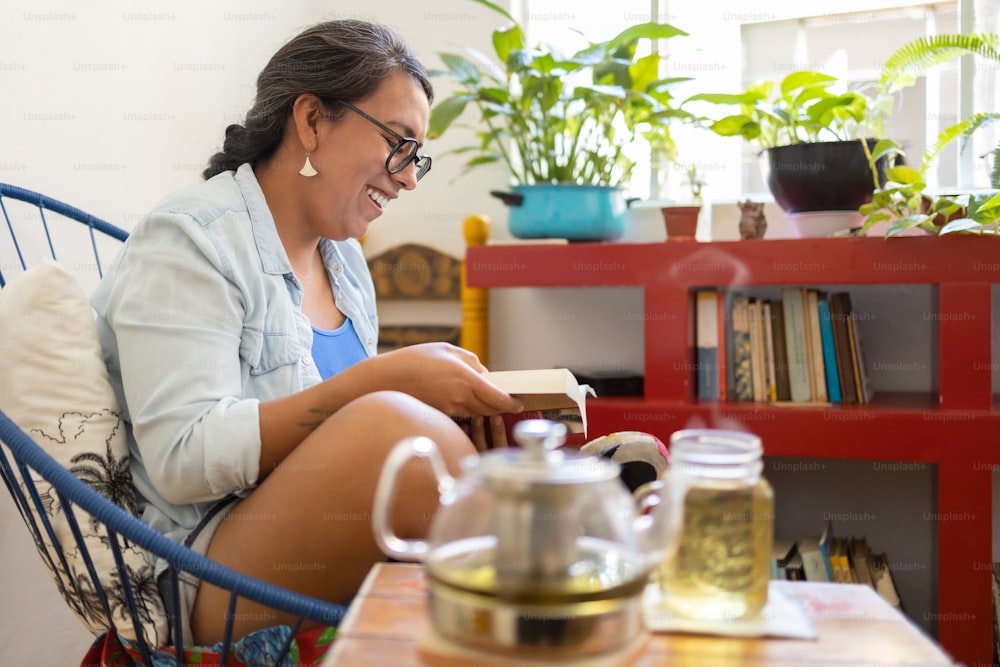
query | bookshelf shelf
[955, 428]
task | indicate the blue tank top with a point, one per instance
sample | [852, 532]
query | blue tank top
[336, 349]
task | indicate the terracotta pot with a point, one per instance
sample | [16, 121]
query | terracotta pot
[681, 222]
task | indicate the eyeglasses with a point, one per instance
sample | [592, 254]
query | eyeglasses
[403, 152]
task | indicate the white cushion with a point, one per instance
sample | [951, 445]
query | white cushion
[54, 385]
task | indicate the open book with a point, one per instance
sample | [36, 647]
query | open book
[553, 391]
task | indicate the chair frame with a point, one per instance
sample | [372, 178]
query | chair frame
[93, 223]
[73, 494]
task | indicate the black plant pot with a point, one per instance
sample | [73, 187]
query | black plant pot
[820, 176]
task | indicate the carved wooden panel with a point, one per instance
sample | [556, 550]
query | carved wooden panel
[413, 271]
[392, 337]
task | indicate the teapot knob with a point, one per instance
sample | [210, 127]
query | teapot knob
[538, 437]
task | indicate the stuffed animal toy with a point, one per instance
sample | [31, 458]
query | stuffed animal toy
[643, 457]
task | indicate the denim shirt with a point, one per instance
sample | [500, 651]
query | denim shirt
[199, 319]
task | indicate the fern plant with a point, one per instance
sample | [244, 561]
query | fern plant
[919, 56]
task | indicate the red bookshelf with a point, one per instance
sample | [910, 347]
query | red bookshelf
[957, 429]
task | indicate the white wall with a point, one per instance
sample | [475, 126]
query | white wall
[109, 106]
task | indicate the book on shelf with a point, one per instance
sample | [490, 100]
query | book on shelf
[723, 318]
[741, 359]
[756, 350]
[885, 584]
[780, 350]
[795, 343]
[795, 570]
[770, 382]
[815, 554]
[840, 563]
[547, 390]
[817, 381]
[864, 382]
[707, 344]
[782, 550]
[840, 321]
[829, 352]
[860, 558]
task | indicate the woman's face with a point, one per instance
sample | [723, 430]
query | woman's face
[352, 186]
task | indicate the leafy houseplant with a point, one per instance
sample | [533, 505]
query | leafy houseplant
[903, 200]
[810, 136]
[555, 119]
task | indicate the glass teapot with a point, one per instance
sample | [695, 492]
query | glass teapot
[534, 549]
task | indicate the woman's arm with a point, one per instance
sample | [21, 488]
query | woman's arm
[446, 377]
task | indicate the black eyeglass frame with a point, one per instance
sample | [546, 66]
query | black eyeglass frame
[422, 163]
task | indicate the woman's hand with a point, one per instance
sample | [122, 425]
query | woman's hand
[486, 432]
[448, 378]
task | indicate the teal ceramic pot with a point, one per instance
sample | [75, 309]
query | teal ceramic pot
[573, 212]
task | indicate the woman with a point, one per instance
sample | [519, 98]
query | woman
[255, 438]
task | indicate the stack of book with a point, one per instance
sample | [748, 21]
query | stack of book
[828, 558]
[804, 347]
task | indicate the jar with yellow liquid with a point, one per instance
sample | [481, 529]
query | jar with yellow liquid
[721, 512]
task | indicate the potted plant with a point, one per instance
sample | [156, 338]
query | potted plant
[902, 200]
[809, 136]
[681, 219]
[562, 124]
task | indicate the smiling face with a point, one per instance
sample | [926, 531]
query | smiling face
[352, 186]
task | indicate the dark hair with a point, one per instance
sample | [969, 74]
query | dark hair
[336, 60]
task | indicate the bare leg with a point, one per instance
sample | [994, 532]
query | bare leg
[307, 527]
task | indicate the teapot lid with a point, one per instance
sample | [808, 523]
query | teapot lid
[539, 459]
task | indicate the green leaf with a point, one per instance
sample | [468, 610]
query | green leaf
[731, 126]
[643, 73]
[989, 205]
[903, 174]
[507, 41]
[804, 79]
[497, 8]
[444, 114]
[725, 98]
[649, 30]
[961, 225]
[885, 148]
[910, 221]
[463, 70]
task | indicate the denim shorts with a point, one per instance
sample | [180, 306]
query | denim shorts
[198, 541]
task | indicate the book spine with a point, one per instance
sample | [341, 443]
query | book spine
[771, 389]
[864, 381]
[724, 333]
[707, 340]
[795, 344]
[816, 365]
[780, 351]
[840, 313]
[742, 369]
[829, 352]
[756, 355]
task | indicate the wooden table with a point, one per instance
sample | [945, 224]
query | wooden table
[854, 626]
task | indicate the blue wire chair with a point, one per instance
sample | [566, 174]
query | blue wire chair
[76, 496]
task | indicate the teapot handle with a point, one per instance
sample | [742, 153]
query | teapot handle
[404, 450]
[652, 524]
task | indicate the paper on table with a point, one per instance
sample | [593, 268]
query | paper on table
[782, 616]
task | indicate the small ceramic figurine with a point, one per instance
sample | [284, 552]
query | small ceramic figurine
[752, 221]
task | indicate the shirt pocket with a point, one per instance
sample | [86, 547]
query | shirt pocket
[266, 351]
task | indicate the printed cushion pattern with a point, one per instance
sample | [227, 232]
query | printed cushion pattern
[258, 649]
[54, 386]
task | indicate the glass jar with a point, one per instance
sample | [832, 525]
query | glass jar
[721, 510]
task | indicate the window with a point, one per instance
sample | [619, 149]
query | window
[732, 44]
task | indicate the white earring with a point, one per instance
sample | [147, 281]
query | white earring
[307, 168]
